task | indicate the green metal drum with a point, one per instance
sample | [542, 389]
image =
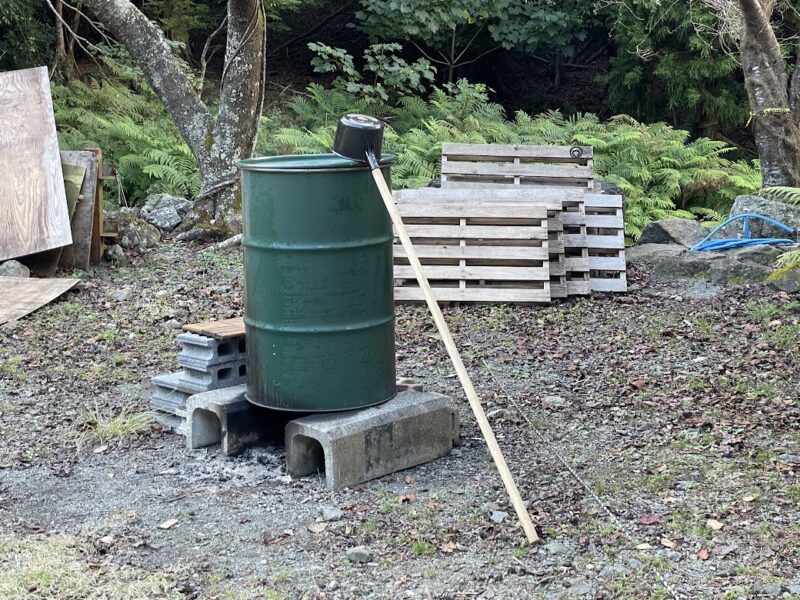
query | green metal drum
[319, 306]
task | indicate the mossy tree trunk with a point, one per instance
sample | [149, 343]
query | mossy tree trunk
[216, 140]
[774, 101]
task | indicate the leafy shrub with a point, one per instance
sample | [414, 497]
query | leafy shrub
[134, 131]
[661, 172]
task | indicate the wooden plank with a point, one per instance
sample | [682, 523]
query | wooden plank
[515, 150]
[492, 273]
[97, 245]
[604, 221]
[607, 263]
[224, 329]
[33, 204]
[78, 254]
[498, 232]
[578, 288]
[517, 170]
[470, 210]
[603, 201]
[550, 198]
[606, 242]
[619, 284]
[516, 295]
[20, 296]
[572, 218]
[510, 183]
[455, 251]
[576, 264]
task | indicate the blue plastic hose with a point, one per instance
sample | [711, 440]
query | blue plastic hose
[709, 245]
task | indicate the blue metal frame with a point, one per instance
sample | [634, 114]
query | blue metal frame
[709, 245]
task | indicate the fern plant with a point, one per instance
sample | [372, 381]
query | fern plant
[788, 262]
[134, 132]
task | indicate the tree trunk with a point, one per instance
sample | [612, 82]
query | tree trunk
[775, 124]
[216, 142]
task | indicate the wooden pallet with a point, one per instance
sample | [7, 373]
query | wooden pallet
[474, 252]
[490, 165]
[605, 241]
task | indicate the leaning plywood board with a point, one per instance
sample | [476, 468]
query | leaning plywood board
[33, 205]
[471, 252]
[552, 199]
[490, 165]
[605, 239]
[20, 296]
[77, 255]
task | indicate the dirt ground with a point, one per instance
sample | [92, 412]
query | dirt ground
[654, 434]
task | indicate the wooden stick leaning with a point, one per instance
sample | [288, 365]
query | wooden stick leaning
[455, 357]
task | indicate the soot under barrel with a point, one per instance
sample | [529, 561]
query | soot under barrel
[319, 306]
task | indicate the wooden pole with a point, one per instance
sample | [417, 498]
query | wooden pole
[455, 357]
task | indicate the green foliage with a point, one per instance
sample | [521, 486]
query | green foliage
[669, 65]
[788, 262]
[26, 35]
[660, 170]
[134, 132]
[386, 76]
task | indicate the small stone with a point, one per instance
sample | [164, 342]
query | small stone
[106, 540]
[13, 268]
[498, 516]
[121, 295]
[115, 254]
[794, 590]
[556, 548]
[789, 459]
[613, 571]
[332, 585]
[580, 588]
[331, 513]
[173, 324]
[221, 289]
[766, 589]
[359, 554]
[456, 452]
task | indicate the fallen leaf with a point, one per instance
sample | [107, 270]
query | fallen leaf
[702, 554]
[723, 550]
[407, 498]
[409, 479]
[714, 524]
[669, 543]
[644, 546]
[447, 547]
[749, 498]
[650, 519]
[317, 527]
[168, 523]
[348, 529]
[638, 383]
[100, 449]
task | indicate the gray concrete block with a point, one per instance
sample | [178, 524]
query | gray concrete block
[214, 377]
[356, 446]
[200, 352]
[172, 381]
[222, 417]
[168, 394]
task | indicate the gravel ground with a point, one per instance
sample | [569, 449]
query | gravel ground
[655, 436]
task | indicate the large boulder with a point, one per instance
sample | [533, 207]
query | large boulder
[132, 231]
[13, 268]
[683, 232]
[650, 254]
[789, 214]
[165, 211]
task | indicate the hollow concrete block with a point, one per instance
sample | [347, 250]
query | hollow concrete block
[355, 446]
[222, 417]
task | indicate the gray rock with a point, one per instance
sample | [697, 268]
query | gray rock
[697, 265]
[788, 214]
[115, 254]
[498, 516]
[166, 218]
[580, 588]
[156, 202]
[173, 324]
[121, 295]
[763, 254]
[455, 452]
[788, 283]
[648, 254]
[331, 513]
[360, 554]
[729, 271]
[794, 589]
[132, 230]
[789, 459]
[763, 588]
[556, 548]
[613, 571]
[13, 268]
[683, 232]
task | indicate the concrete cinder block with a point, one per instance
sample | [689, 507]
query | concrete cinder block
[222, 417]
[200, 352]
[168, 393]
[356, 446]
[214, 377]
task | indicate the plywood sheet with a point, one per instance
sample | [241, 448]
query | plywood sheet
[33, 204]
[20, 296]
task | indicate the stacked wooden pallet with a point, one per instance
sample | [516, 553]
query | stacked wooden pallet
[474, 252]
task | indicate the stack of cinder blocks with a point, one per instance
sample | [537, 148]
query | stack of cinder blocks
[206, 364]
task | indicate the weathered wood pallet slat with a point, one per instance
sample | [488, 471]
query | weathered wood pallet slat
[606, 243]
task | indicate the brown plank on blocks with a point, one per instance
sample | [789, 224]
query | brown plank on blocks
[33, 204]
[224, 329]
[20, 296]
[472, 251]
[78, 254]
